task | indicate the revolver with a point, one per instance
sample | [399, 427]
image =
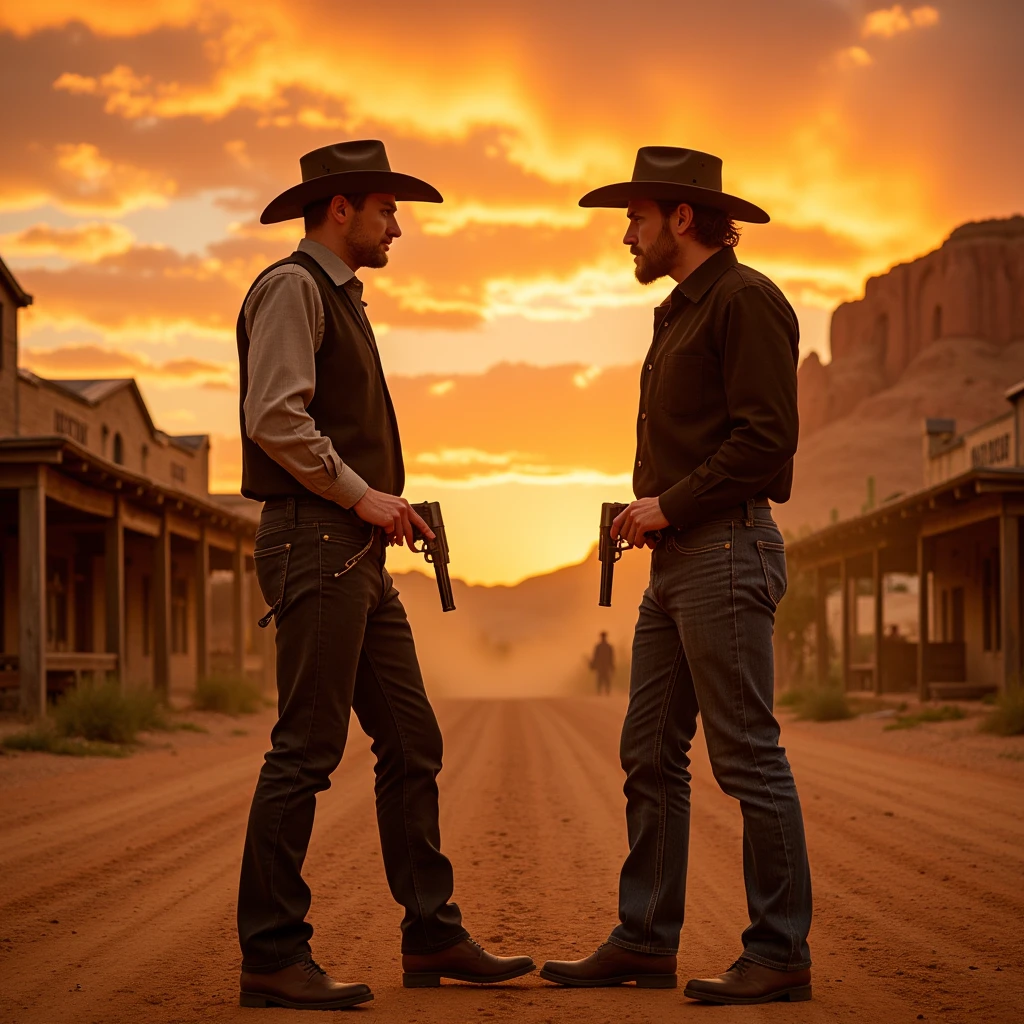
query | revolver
[435, 551]
[608, 550]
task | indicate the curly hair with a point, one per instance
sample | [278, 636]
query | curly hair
[712, 228]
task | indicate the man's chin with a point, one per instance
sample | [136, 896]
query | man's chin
[646, 275]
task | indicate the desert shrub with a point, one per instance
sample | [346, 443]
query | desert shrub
[1007, 715]
[791, 698]
[229, 695]
[946, 713]
[46, 739]
[103, 713]
[828, 704]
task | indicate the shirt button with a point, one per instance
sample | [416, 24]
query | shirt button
[650, 366]
[639, 463]
[643, 415]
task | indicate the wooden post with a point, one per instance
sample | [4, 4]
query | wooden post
[876, 574]
[162, 609]
[1010, 599]
[238, 609]
[844, 593]
[923, 567]
[821, 626]
[202, 605]
[32, 595]
[113, 578]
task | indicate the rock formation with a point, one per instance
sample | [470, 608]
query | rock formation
[971, 287]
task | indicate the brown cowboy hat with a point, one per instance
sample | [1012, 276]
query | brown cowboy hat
[346, 168]
[667, 172]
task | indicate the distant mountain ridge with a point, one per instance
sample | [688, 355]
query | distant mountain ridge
[531, 639]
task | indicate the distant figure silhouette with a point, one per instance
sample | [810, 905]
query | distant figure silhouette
[602, 661]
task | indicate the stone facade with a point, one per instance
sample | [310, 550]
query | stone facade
[970, 287]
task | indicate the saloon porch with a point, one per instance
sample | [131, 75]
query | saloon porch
[924, 593]
[106, 572]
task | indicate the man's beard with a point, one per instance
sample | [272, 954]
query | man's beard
[367, 250]
[660, 257]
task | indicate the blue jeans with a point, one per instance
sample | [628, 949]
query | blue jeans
[703, 643]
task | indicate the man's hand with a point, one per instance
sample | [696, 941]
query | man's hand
[392, 513]
[642, 516]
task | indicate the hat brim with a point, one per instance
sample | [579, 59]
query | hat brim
[619, 196]
[405, 188]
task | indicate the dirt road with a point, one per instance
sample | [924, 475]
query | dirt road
[117, 878]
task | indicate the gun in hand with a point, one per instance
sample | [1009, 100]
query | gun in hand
[608, 550]
[435, 551]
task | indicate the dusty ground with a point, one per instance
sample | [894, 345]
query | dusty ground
[117, 878]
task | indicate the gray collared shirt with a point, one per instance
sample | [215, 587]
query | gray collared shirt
[284, 318]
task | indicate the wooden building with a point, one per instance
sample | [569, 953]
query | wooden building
[949, 556]
[115, 560]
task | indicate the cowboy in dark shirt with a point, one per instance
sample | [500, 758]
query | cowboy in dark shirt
[602, 661]
[716, 435]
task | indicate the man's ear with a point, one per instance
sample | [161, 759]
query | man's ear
[340, 208]
[683, 218]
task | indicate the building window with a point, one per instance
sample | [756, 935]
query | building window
[104, 434]
[1, 335]
[991, 640]
[57, 584]
[118, 449]
[145, 458]
[75, 429]
[179, 616]
[147, 614]
[937, 323]
[177, 473]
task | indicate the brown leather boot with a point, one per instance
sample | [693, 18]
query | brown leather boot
[613, 965]
[465, 961]
[301, 986]
[748, 982]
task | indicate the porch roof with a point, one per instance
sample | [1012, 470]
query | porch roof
[87, 468]
[972, 496]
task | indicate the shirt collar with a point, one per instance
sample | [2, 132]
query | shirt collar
[697, 285]
[333, 265]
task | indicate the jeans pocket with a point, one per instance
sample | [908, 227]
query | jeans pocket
[343, 549]
[773, 562]
[272, 574]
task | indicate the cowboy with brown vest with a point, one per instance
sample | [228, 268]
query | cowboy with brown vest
[320, 448]
[716, 434]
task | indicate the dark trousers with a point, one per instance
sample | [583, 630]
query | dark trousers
[343, 644]
[703, 643]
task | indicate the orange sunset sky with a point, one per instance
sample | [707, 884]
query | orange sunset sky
[141, 140]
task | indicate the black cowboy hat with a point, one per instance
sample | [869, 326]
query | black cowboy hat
[667, 172]
[347, 168]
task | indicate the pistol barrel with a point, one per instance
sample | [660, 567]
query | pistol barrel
[436, 551]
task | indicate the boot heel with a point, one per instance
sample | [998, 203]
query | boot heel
[799, 995]
[248, 999]
[656, 981]
[421, 980]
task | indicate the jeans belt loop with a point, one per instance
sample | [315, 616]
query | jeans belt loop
[289, 511]
[750, 511]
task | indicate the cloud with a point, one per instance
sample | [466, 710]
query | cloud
[854, 57]
[893, 21]
[85, 242]
[94, 361]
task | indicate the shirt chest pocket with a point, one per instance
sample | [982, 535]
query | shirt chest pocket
[682, 384]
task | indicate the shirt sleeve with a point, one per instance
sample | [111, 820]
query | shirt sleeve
[759, 373]
[285, 321]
